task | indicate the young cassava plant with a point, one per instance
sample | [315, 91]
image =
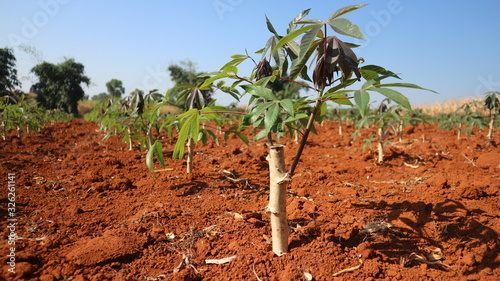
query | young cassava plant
[492, 105]
[306, 42]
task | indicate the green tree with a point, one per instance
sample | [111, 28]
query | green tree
[59, 85]
[115, 88]
[8, 73]
[100, 96]
[185, 76]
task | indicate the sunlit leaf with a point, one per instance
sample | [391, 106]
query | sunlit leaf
[194, 129]
[307, 40]
[287, 105]
[378, 69]
[368, 74]
[299, 66]
[346, 27]
[293, 24]
[271, 27]
[405, 85]
[260, 91]
[186, 131]
[291, 36]
[345, 10]
[155, 149]
[242, 137]
[261, 134]
[271, 116]
[394, 95]
[361, 98]
[339, 99]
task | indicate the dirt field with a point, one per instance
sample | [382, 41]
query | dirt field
[90, 210]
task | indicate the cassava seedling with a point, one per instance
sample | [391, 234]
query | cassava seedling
[492, 105]
[334, 66]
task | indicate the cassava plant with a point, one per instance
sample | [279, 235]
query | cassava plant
[492, 105]
[306, 42]
[191, 125]
[463, 120]
[385, 119]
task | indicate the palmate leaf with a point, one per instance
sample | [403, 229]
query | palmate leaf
[346, 27]
[345, 10]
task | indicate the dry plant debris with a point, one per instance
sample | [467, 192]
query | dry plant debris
[350, 269]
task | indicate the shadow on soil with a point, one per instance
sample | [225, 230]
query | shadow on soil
[422, 224]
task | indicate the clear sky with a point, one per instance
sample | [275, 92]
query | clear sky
[452, 47]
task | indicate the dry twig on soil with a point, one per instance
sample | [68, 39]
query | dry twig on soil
[471, 161]
[255, 273]
[350, 269]
[232, 178]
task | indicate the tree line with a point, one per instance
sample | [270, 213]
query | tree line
[60, 85]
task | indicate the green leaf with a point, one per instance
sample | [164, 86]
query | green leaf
[307, 40]
[405, 85]
[361, 98]
[257, 111]
[339, 99]
[271, 27]
[368, 74]
[345, 10]
[260, 135]
[260, 91]
[291, 36]
[155, 149]
[293, 24]
[271, 116]
[377, 69]
[213, 136]
[346, 27]
[218, 76]
[299, 65]
[312, 21]
[159, 153]
[394, 95]
[194, 127]
[299, 116]
[188, 129]
[287, 105]
[242, 137]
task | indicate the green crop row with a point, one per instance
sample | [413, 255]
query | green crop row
[24, 116]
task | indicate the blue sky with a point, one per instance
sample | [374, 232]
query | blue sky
[451, 47]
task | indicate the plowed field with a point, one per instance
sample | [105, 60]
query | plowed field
[89, 210]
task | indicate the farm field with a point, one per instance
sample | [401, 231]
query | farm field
[90, 210]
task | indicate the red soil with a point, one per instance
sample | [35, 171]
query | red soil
[90, 210]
